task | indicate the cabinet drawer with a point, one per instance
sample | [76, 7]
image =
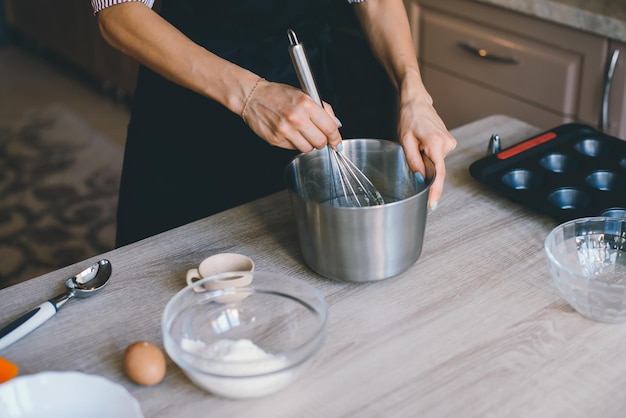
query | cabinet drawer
[539, 73]
[478, 102]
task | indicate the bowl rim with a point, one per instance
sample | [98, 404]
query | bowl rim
[552, 258]
[429, 165]
[316, 340]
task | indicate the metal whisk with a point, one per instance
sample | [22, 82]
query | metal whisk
[351, 187]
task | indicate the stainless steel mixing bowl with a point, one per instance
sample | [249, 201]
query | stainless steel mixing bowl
[360, 244]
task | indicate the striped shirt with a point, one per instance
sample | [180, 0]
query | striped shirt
[103, 4]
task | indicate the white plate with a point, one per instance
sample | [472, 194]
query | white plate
[67, 395]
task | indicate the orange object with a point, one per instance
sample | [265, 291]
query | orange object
[144, 363]
[8, 370]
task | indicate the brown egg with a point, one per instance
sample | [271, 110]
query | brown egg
[144, 363]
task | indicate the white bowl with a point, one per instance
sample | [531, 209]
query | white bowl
[248, 341]
[66, 395]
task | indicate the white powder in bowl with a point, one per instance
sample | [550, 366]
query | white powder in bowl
[243, 360]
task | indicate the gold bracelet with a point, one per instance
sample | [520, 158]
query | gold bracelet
[245, 104]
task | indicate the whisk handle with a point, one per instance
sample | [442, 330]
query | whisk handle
[302, 67]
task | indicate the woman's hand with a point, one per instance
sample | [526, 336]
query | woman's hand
[421, 130]
[286, 117]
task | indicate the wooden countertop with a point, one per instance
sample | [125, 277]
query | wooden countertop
[606, 18]
[474, 329]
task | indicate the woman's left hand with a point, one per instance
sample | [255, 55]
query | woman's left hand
[421, 130]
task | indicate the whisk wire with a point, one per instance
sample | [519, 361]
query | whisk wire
[357, 190]
[346, 197]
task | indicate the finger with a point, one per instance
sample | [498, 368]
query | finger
[300, 142]
[413, 155]
[331, 130]
[436, 189]
[294, 129]
[436, 155]
[313, 123]
[314, 136]
[311, 128]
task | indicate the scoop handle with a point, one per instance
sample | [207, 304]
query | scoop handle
[26, 323]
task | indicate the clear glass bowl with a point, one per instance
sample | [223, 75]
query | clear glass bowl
[587, 260]
[247, 341]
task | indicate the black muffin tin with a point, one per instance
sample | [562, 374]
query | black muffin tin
[568, 172]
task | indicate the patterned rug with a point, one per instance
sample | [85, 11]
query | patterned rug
[58, 193]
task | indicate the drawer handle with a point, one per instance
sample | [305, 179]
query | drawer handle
[606, 93]
[484, 54]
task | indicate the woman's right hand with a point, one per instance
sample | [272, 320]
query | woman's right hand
[287, 117]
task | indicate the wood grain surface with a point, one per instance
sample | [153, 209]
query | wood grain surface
[474, 329]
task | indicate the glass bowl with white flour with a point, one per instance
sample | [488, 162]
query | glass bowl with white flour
[245, 341]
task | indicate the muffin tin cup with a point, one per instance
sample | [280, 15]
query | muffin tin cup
[568, 172]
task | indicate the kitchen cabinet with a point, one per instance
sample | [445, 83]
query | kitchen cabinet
[479, 59]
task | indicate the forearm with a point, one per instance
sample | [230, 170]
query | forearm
[387, 29]
[142, 34]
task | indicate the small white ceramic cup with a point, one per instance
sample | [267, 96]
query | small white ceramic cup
[221, 263]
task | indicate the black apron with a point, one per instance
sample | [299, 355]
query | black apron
[188, 157]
